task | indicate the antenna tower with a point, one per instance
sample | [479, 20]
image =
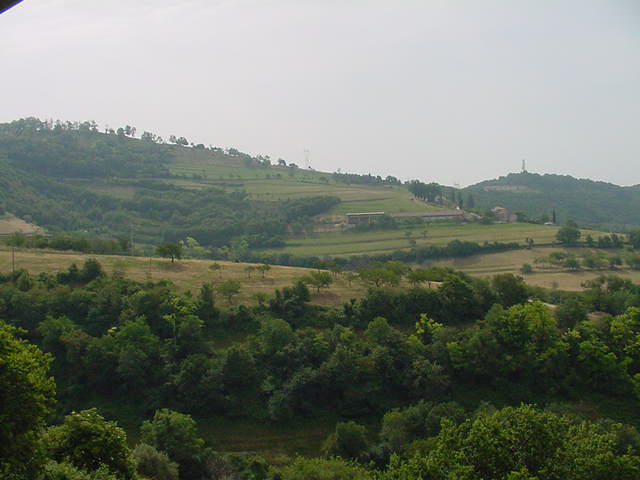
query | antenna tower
[307, 159]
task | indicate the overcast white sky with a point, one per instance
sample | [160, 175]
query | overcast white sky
[455, 91]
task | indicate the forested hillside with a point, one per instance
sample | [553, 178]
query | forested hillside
[587, 202]
[41, 162]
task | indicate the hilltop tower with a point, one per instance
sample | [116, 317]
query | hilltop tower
[524, 166]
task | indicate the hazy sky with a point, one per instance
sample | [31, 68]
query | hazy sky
[453, 91]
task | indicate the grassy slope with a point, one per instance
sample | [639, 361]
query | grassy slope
[185, 274]
[10, 224]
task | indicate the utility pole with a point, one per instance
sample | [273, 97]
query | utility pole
[131, 239]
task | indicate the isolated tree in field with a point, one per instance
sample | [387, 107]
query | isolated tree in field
[249, 269]
[26, 397]
[424, 233]
[169, 249]
[336, 269]
[350, 277]
[216, 267]
[319, 280]
[526, 269]
[568, 235]
[379, 276]
[229, 288]
[264, 268]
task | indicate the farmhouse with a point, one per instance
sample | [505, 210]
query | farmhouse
[360, 218]
[432, 216]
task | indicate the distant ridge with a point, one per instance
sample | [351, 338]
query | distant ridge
[585, 201]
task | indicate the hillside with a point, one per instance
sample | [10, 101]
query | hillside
[588, 202]
[74, 178]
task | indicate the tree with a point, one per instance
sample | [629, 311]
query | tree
[510, 290]
[521, 443]
[229, 288]
[350, 277]
[319, 279]
[568, 235]
[216, 267]
[417, 276]
[91, 270]
[176, 434]
[264, 268]
[26, 397]
[348, 441]
[336, 269]
[169, 249]
[154, 464]
[526, 269]
[249, 269]
[634, 239]
[88, 441]
[571, 311]
[379, 276]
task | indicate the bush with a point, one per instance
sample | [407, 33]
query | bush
[348, 441]
[154, 464]
[88, 441]
[323, 469]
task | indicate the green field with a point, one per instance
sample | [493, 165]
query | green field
[353, 243]
[278, 183]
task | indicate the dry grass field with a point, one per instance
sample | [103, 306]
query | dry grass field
[190, 274]
[512, 261]
[10, 224]
[185, 274]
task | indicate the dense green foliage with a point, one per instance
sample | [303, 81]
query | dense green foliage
[26, 397]
[523, 444]
[421, 360]
[87, 441]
